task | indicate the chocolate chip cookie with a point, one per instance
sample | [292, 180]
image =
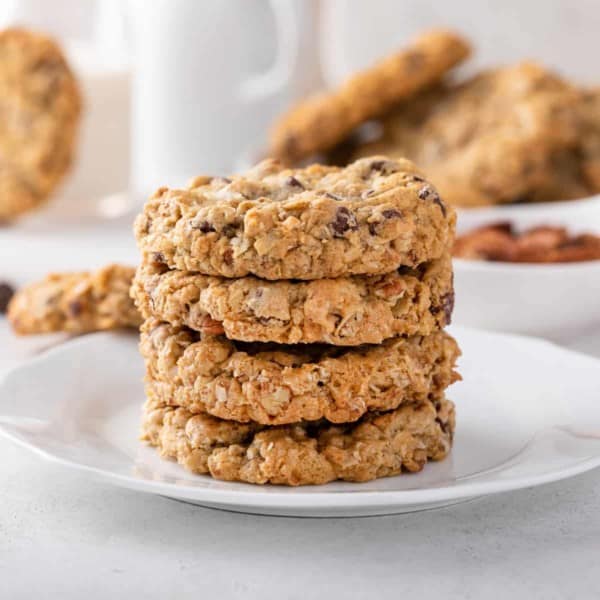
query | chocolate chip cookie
[497, 137]
[344, 311]
[319, 123]
[76, 302]
[276, 384]
[371, 217]
[40, 104]
[379, 445]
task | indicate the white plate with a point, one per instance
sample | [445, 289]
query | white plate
[558, 301]
[528, 413]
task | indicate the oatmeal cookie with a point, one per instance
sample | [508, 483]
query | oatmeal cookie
[379, 445]
[590, 139]
[370, 217]
[76, 302]
[494, 138]
[317, 124]
[345, 311]
[276, 384]
[40, 105]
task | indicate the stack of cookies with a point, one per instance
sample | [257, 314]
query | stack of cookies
[293, 323]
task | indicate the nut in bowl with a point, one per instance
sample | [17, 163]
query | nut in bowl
[540, 280]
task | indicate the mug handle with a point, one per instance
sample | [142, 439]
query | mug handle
[263, 85]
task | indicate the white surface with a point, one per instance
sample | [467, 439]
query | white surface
[84, 412]
[62, 535]
[557, 301]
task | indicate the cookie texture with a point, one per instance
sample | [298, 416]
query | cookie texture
[76, 302]
[370, 217]
[345, 311]
[379, 445]
[40, 105]
[276, 384]
[319, 123]
[505, 135]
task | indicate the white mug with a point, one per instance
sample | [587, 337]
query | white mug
[199, 99]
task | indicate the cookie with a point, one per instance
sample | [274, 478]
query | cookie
[277, 384]
[590, 139]
[317, 124]
[370, 217]
[345, 311]
[575, 171]
[76, 302]
[495, 138]
[40, 105]
[379, 445]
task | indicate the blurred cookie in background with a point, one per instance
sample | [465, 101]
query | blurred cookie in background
[495, 138]
[320, 122]
[40, 106]
[507, 135]
[75, 303]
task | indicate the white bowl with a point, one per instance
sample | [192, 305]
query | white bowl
[557, 301]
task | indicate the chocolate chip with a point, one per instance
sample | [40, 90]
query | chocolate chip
[228, 256]
[75, 308]
[344, 221]
[439, 202]
[384, 166]
[205, 227]
[443, 425]
[6, 293]
[389, 213]
[446, 305]
[293, 182]
[334, 196]
[159, 257]
[428, 193]
[424, 192]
